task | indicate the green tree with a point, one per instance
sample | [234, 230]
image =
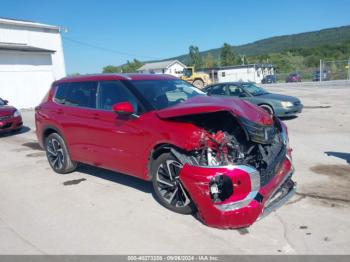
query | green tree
[209, 61]
[195, 58]
[227, 56]
[111, 69]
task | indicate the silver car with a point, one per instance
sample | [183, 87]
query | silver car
[279, 105]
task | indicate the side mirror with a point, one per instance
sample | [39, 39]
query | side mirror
[6, 102]
[123, 108]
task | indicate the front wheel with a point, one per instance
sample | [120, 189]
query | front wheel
[268, 109]
[57, 154]
[198, 83]
[167, 186]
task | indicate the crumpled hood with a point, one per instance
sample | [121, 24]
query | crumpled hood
[6, 110]
[209, 104]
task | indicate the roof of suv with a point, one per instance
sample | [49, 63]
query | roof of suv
[101, 77]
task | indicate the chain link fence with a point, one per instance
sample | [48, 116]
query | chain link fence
[326, 71]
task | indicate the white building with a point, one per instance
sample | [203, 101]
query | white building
[31, 58]
[252, 73]
[170, 67]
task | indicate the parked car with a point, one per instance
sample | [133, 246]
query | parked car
[224, 158]
[274, 104]
[293, 77]
[269, 79]
[316, 76]
[10, 117]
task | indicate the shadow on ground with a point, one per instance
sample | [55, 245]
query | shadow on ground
[144, 186]
[287, 118]
[23, 130]
[344, 156]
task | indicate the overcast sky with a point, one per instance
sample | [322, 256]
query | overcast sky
[159, 29]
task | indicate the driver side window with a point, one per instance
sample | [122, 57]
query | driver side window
[236, 91]
[113, 92]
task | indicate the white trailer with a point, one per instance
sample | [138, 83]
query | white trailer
[245, 73]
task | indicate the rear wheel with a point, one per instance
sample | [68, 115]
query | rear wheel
[57, 154]
[167, 186]
[268, 109]
[198, 83]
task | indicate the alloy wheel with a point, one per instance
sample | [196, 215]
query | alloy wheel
[55, 153]
[169, 185]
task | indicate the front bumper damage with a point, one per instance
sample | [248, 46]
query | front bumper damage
[250, 200]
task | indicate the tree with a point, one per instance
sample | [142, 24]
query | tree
[129, 67]
[111, 69]
[209, 61]
[227, 56]
[195, 58]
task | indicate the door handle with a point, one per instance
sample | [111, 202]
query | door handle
[59, 111]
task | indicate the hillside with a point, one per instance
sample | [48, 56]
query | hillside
[278, 44]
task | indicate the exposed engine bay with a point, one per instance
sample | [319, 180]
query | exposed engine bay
[227, 140]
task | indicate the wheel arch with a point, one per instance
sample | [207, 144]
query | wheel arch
[158, 150]
[267, 104]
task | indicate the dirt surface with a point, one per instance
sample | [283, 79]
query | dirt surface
[96, 211]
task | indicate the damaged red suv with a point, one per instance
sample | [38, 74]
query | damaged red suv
[223, 159]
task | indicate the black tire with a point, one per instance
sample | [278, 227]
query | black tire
[268, 109]
[198, 83]
[168, 189]
[57, 154]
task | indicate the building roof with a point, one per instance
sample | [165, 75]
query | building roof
[159, 65]
[10, 21]
[23, 48]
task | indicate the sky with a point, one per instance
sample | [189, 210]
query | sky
[110, 32]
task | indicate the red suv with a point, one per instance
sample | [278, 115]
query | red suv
[224, 159]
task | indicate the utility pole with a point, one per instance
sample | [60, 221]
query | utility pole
[320, 75]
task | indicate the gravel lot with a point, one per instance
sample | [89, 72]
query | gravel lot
[94, 211]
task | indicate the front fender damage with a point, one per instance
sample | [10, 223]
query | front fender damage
[236, 169]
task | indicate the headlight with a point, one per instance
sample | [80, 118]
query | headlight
[258, 133]
[286, 104]
[16, 113]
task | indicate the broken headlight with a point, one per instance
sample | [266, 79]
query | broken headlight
[220, 188]
[258, 133]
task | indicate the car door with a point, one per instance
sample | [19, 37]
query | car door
[119, 140]
[75, 114]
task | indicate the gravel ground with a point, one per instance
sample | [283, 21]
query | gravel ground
[94, 211]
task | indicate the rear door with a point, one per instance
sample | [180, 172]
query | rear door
[76, 114]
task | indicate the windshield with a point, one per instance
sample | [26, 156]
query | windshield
[187, 72]
[254, 90]
[2, 103]
[165, 93]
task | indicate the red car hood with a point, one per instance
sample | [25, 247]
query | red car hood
[208, 104]
[6, 110]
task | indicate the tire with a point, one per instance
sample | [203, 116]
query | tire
[198, 83]
[268, 109]
[168, 189]
[57, 154]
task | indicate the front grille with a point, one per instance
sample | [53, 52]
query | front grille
[277, 158]
[2, 118]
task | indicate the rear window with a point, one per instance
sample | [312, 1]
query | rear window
[81, 94]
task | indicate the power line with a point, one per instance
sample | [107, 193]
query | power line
[107, 49]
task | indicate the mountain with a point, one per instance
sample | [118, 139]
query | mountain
[278, 44]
